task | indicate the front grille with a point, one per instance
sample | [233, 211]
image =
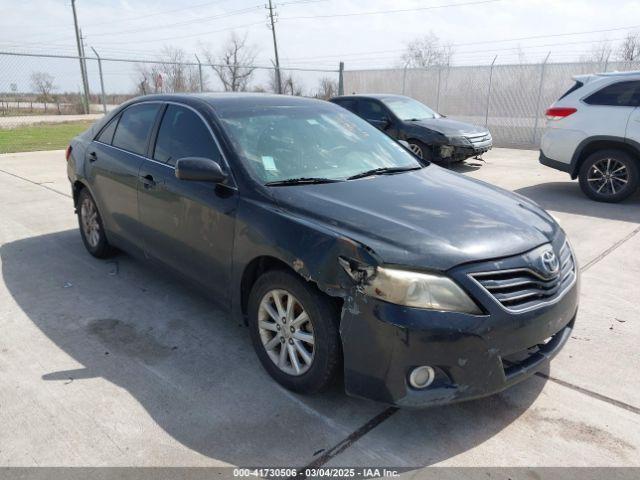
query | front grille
[520, 289]
[479, 139]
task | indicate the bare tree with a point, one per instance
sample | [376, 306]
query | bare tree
[327, 88]
[629, 50]
[175, 74]
[42, 83]
[600, 52]
[427, 51]
[234, 63]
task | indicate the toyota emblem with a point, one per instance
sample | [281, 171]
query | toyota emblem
[550, 263]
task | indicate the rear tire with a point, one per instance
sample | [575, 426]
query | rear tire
[301, 355]
[609, 176]
[91, 227]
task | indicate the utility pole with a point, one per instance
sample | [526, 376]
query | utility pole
[275, 47]
[83, 72]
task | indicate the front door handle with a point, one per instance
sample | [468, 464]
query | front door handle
[93, 157]
[148, 181]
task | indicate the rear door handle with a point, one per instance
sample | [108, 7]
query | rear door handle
[93, 156]
[148, 181]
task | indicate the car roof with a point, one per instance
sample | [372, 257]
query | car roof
[236, 99]
[377, 96]
[633, 75]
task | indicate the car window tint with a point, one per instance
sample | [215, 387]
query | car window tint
[348, 104]
[621, 94]
[371, 110]
[134, 127]
[106, 136]
[183, 134]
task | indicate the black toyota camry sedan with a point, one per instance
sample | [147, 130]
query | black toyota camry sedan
[430, 135]
[339, 248]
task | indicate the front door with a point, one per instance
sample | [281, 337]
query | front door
[188, 225]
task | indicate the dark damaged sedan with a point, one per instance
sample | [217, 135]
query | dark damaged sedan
[430, 136]
[338, 247]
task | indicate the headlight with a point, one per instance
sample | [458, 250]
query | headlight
[459, 141]
[421, 290]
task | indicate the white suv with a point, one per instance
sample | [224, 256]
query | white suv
[593, 133]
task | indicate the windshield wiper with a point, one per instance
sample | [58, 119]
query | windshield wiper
[382, 171]
[301, 181]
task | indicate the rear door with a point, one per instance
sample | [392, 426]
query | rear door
[113, 162]
[188, 225]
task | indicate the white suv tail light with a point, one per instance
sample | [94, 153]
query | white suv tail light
[558, 113]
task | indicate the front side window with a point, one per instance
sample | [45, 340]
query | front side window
[183, 134]
[372, 110]
[134, 127]
[409, 109]
[621, 94]
[280, 143]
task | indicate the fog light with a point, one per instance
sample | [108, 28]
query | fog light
[422, 377]
[446, 151]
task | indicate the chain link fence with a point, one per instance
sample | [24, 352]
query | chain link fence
[39, 88]
[509, 99]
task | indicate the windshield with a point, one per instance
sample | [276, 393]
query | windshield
[409, 109]
[281, 143]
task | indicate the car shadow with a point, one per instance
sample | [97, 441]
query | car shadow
[193, 370]
[567, 197]
[465, 166]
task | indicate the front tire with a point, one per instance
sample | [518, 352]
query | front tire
[609, 176]
[420, 150]
[91, 227]
[294, 332]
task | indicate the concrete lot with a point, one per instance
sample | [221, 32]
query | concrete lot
[113, 363]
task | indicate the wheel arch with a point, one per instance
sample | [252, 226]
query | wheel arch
[593, 144]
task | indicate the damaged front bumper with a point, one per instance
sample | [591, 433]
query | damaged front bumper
[461, 148]
[473, 355]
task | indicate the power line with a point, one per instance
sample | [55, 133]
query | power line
[156, 40]
[344, 55]
[183, 23]
[403, 10]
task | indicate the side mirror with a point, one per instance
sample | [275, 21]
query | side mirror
[199, 169]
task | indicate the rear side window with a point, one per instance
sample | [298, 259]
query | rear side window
[575, 87]
[106, 136]
[348, 104]
[183, 134]
[621, 94]
[136, 122]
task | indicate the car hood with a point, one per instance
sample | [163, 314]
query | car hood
[430, 218]
[448, 127]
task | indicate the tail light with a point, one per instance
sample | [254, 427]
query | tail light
[67, 154]
[558, 113]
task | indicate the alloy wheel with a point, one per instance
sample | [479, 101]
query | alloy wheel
[286, 332]
[608, 176]
[89, 220]
[416, 150]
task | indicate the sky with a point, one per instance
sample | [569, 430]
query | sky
[316, 33]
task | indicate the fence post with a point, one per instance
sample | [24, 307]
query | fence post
[438, 91]
[341, 79]
[200, 73]
[537, 112]
[104, 99]
[486, 113]
[404, 79]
